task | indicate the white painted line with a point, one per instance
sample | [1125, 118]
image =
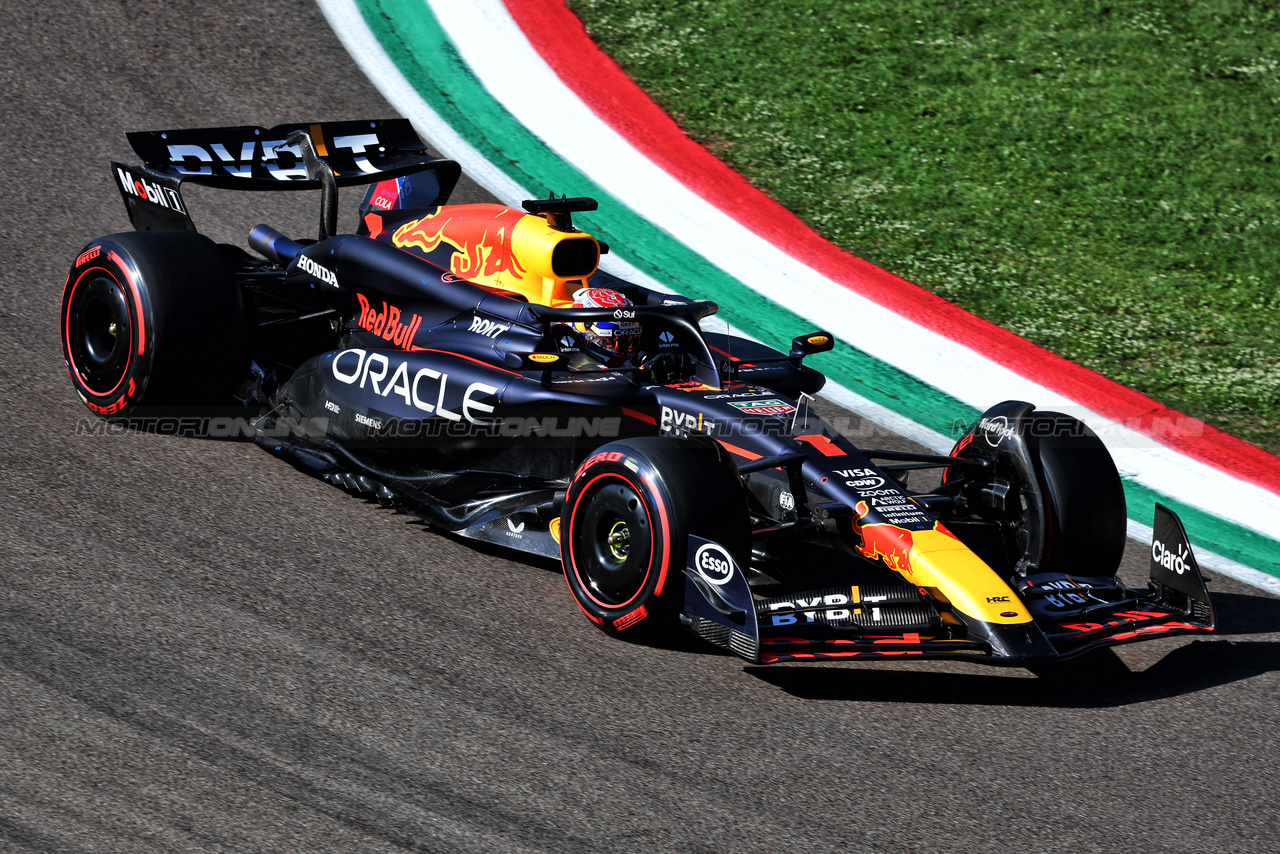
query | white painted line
[970, 376]
[500, 55]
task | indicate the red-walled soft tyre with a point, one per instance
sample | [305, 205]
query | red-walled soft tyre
[150, 320]
[627, 517]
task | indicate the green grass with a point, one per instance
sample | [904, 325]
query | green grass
[1100, 178]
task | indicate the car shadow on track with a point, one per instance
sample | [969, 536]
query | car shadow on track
[1099, 680]
[1246, 615]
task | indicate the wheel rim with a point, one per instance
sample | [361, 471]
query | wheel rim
[99, 336]
[612, 543]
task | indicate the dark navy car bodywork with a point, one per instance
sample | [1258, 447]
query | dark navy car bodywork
[430, 360]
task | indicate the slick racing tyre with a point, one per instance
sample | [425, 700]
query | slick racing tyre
[152, 319]
[1083, 520]
[625, 527]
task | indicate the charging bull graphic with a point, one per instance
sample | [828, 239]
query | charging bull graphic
[895, 546]
[482, 238]
[935, 557]
[890, 544]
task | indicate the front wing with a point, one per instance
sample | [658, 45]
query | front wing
[892, 621]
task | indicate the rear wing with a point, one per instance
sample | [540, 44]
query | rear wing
[254, 158]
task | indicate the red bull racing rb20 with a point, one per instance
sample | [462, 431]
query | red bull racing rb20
[473, 364]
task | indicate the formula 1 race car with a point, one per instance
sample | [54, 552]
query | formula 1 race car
[472, 363]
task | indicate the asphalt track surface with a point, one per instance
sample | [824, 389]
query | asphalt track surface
[202, 649]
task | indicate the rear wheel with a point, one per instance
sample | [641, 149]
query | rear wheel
[152, 319]
[628, 514]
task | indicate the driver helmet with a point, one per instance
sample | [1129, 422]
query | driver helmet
[613, 340]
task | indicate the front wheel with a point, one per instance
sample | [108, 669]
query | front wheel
[625, 527]
[1063, 502]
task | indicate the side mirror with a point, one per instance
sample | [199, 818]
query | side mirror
[814, 342]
